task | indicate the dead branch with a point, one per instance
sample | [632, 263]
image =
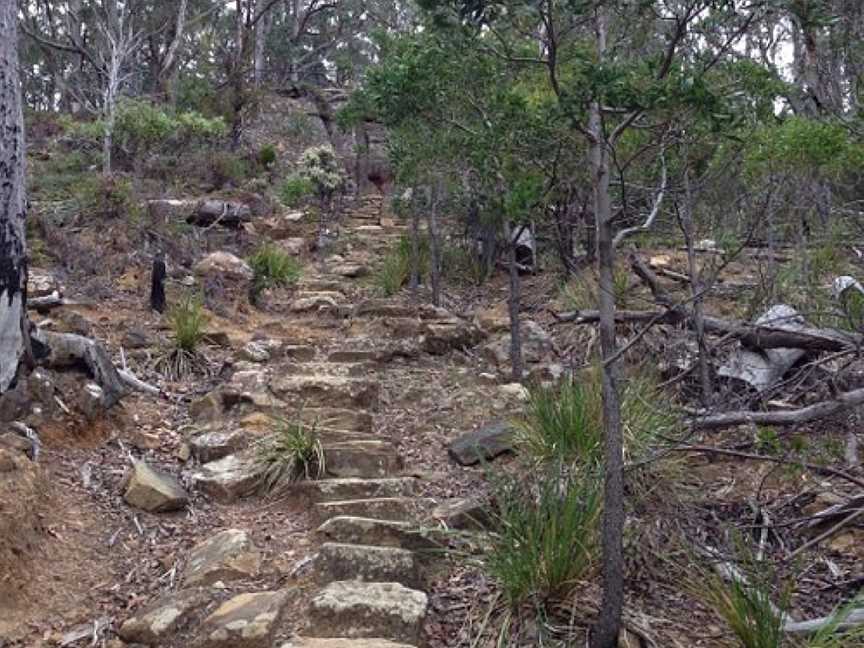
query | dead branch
[65, 350]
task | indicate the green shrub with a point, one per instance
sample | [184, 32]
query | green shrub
[747, 609]
[273, 266]
[107, 197]
[295, 190]
[321, 167]
[395, 270]
[267, 156]
[188, 320]
[462, 264]
[227, 168]
[59, 176]
[543, 535]
[580, 293]
[293, 452]
[566, 421]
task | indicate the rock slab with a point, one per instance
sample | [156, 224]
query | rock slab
[248, 620]
[482, 445]
[162, 618]
[358, 610]
[153, 490]
[227, 556]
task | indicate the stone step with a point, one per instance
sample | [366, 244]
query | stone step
[247, 620]
[342, 562]
[371, 531]
[230, 478]
[405, 509]
[334, 490]
[310, 642]
[338, 418]
[364, 459]
[317, 301]
[357, 610]
[321, 284]
[327, 391]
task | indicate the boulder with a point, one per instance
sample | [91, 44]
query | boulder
[494, 319]
[153, 490]
[211, 445]
[439, 337]
[209, 407]
[157, 621]
[462, 513]
[484, 444]
[224, 264]
[226, 214]
[231, 477]
[254, 351]
[366, 563]
[354, 609]
[316, 301]
[536, 345]
[226, 556]
[170, 209]
[248, 620]
[350, 270]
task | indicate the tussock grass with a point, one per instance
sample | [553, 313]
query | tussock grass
[188, 320]
[272, 266]
[544, 533]
[395, 271]
[292, 453]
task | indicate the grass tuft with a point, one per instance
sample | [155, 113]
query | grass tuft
[292, 453]
[272, 266]
[395, 271]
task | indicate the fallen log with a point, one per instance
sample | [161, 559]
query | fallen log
[840, 403]
[757, 336]
[844, 623]
[66, 350]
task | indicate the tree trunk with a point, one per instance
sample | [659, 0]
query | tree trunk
[605, 633]
[415, 246]
[513, 305]
[262, 30]
[434, 267]
[13, 260]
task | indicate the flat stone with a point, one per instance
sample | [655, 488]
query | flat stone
[209, 407]
[254, 351]
[350, 270]
[316, 303]
[226, 556]
[371, 531]
[484, 444]
[354, 609]
[248, 620]
[338, 418]
[229, 478]
[326, 390]
[224, 264]
[358, 355]
[352, 488]
[462, 513]
[536, 345]
[162, 618]
[153, 490]
[386, 508]
[311, 642]
[299, 352]
[372, 564]
[439, 338]
[212, 445]
[494, 319]
[361, 459]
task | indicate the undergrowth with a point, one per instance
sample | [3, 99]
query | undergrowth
[188, 320]
[272, 267]
[293, 452]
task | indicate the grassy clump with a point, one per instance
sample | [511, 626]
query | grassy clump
[395, 271]
[544, 533]
[272, 267]
[581, 292]
[188, 320]
[292, 453]
[566, 422]
[294, 190]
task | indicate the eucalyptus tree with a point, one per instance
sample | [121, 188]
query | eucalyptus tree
[13, 261]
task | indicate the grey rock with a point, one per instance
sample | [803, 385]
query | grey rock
[226, 556]
[153, 624]
[484, 444]
[366, 563]
[153, 490]
[248, 620]
[231, 477]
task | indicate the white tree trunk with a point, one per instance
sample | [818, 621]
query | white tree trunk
[13, 264]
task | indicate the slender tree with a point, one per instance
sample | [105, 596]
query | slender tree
[13, 260]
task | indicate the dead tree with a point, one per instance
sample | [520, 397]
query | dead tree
[157, 284]
[13, 263]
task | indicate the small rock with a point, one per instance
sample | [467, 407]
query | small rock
[484, 444]
[293, 246]
[154, 623]
[536, 345]
[211, 445]
[154, 491]
[248, 620]
[207, 408]
[462, 513]
[255, 351]
[224, 264]
[515, 390]
[350, 270]
[136, 339]
[231, 477]
[226, 556]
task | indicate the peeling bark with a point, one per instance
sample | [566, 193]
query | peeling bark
[13, 261]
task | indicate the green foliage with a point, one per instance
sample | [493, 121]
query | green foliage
[461, 264]
[273, 266]
[543, 536]
[395, 270]
[320, 166]
[294, 190]
[291, 453]
[267, 156]
[188, 320]
[59, 176]
[830, 635]
[580, 293]
[747, 609]
[566, 422]
[107, 197]
[804, 145]
[227, 168]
